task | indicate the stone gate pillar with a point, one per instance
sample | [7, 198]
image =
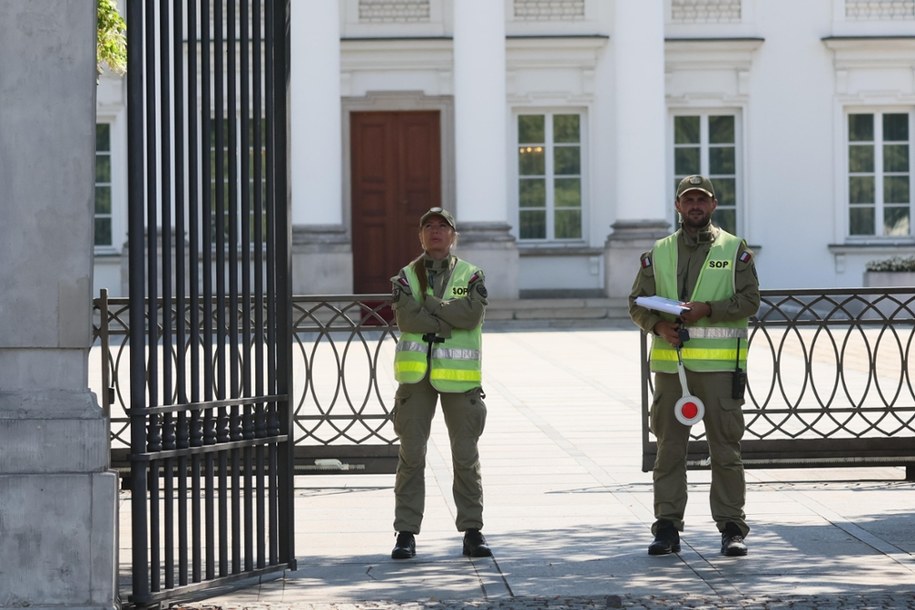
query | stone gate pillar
[58, 500]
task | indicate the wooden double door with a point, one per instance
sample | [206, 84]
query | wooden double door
[396, 176]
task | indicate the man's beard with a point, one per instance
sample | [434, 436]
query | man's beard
[694, 222]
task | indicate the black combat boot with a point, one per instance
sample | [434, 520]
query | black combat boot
[475, 544]
[405, 547]
[666, 539]
[732, 543]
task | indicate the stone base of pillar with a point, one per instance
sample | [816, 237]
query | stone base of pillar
[322, 260]
[59, 529]
[491, 247]
[622, 249]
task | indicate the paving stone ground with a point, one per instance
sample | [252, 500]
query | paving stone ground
[568, 512]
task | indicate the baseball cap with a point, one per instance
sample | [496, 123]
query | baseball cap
[696, 183]
[443, 213]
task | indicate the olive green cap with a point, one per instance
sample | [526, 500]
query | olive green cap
[696, 183]
[443, 213]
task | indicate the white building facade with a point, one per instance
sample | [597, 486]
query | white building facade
[556, 130]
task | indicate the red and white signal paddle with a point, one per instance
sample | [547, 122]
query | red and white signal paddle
[689, 409]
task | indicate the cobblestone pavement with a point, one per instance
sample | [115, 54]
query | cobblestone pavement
[569, 511]
[806, 602]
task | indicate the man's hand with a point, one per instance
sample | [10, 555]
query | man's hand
[697, 311]
[669, 331]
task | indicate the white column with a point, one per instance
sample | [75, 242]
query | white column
[321, 250]
[481, 144]
[58, 499]
[480, 110]
[641, 200]
[314, 113]
[641, 115]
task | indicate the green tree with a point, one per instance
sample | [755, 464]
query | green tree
[111, 46]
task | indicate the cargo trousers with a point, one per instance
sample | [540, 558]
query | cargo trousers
[465, 418]
[724, 427]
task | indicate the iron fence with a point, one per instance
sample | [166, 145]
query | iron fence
[830, 382]
[342, 345]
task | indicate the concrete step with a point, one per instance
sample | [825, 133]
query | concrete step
[558, 311]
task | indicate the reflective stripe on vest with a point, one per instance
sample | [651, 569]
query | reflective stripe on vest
[455, 363]
[721, 347]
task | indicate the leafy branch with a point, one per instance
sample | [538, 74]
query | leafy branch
[111, 47]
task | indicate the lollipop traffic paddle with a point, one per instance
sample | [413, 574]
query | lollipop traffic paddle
[689, 409]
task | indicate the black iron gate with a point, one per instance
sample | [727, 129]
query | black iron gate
[209, 245]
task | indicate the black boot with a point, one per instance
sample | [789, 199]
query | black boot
[732, 543]
[666, 539]
[475, 544]
[405, 547]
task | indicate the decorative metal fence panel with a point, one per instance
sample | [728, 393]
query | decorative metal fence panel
[208, 421]
[342, 349]
[831, 382]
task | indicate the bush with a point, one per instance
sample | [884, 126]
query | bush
[895, 263]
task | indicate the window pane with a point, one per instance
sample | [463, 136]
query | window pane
[530, 129]
[533, 225]
[861, 159]
[861, 189]
[725, 191]
[568, 193]
[686, 130]
[102, 199]
[102, 137]
[102, 168]
[532, 193]
[102, 231]
[568, 224]
[860, 128]
[566, 128]
[861, 221]
[896, 158]
[721, 129]
[896, 221]
[722, 160]
[567, 160]
[531, 161]
[896, 189]
[686, 161]
[895, 127]
[726, 219]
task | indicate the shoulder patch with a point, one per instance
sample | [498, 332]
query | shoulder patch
[745, 257]
[646, 261]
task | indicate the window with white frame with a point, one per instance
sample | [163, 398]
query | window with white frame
[706, 143]
[550, 176]
[103, 186]
[880, 169]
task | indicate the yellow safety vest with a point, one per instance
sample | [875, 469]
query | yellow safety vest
[718, 347]
[456, 364]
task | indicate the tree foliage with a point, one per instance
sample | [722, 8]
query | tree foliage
[111, 49]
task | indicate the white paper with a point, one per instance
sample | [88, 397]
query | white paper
[661, 304]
